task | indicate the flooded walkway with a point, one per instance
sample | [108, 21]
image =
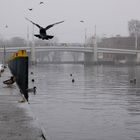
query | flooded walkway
[16, 119]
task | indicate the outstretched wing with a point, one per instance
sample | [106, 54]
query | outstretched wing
[36, 35]
[33, 23]
[49, 26]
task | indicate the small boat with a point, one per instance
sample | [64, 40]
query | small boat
[18, 65]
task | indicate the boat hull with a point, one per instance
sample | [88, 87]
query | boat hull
[18, 66]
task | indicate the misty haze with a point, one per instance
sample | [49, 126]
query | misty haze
[84, 62]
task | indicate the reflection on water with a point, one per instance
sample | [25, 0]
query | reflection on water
[101, 104]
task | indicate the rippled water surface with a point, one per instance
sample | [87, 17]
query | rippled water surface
[101, 104]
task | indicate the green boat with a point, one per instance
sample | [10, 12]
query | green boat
[18, 65]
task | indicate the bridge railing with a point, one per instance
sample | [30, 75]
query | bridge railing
[70, 47]
[64, 44]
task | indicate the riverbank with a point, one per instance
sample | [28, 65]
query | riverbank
[16, 119]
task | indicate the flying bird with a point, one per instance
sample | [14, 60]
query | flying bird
[41, 2]
[42, 31]
[30, 9]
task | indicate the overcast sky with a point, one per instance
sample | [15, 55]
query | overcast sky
[110, 17]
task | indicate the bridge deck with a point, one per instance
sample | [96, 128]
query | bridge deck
[72, 49]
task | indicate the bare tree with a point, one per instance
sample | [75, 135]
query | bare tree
[134, 28]
[17, 42]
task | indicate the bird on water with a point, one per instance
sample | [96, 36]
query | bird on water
[10, 81]
[133, 81]
[73, 80]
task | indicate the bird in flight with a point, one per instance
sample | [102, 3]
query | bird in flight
[30, 9]
[42, 31]
[41, 2]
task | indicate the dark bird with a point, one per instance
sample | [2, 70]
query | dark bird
[41, 2]
[70, 74]
[32, 90]
[133, 81]
[30, 9]
[32, 72]
[33, 80]
[42, 31]
[10, 81]
[81, 21]
[73, 80]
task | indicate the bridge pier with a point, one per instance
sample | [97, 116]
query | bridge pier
[130, 59]
[90, 58]
[138, 58]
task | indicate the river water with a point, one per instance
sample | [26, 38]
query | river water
[101, 104]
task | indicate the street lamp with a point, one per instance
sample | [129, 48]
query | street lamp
[136, 37]
[95, 45]
[33, 47]
[85, 31]
[33, 61]
[4, 47]
[136, 27]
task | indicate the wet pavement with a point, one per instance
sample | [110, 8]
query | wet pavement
[17, 122]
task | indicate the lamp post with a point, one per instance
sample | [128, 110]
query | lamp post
[33, 61]
[32, 44]
[136, 39]
[4, 54]
[85, 35]
[4, 49]
[27, 43]
[33, 48]
[95, 46]
[85, 31]
[136, 34]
